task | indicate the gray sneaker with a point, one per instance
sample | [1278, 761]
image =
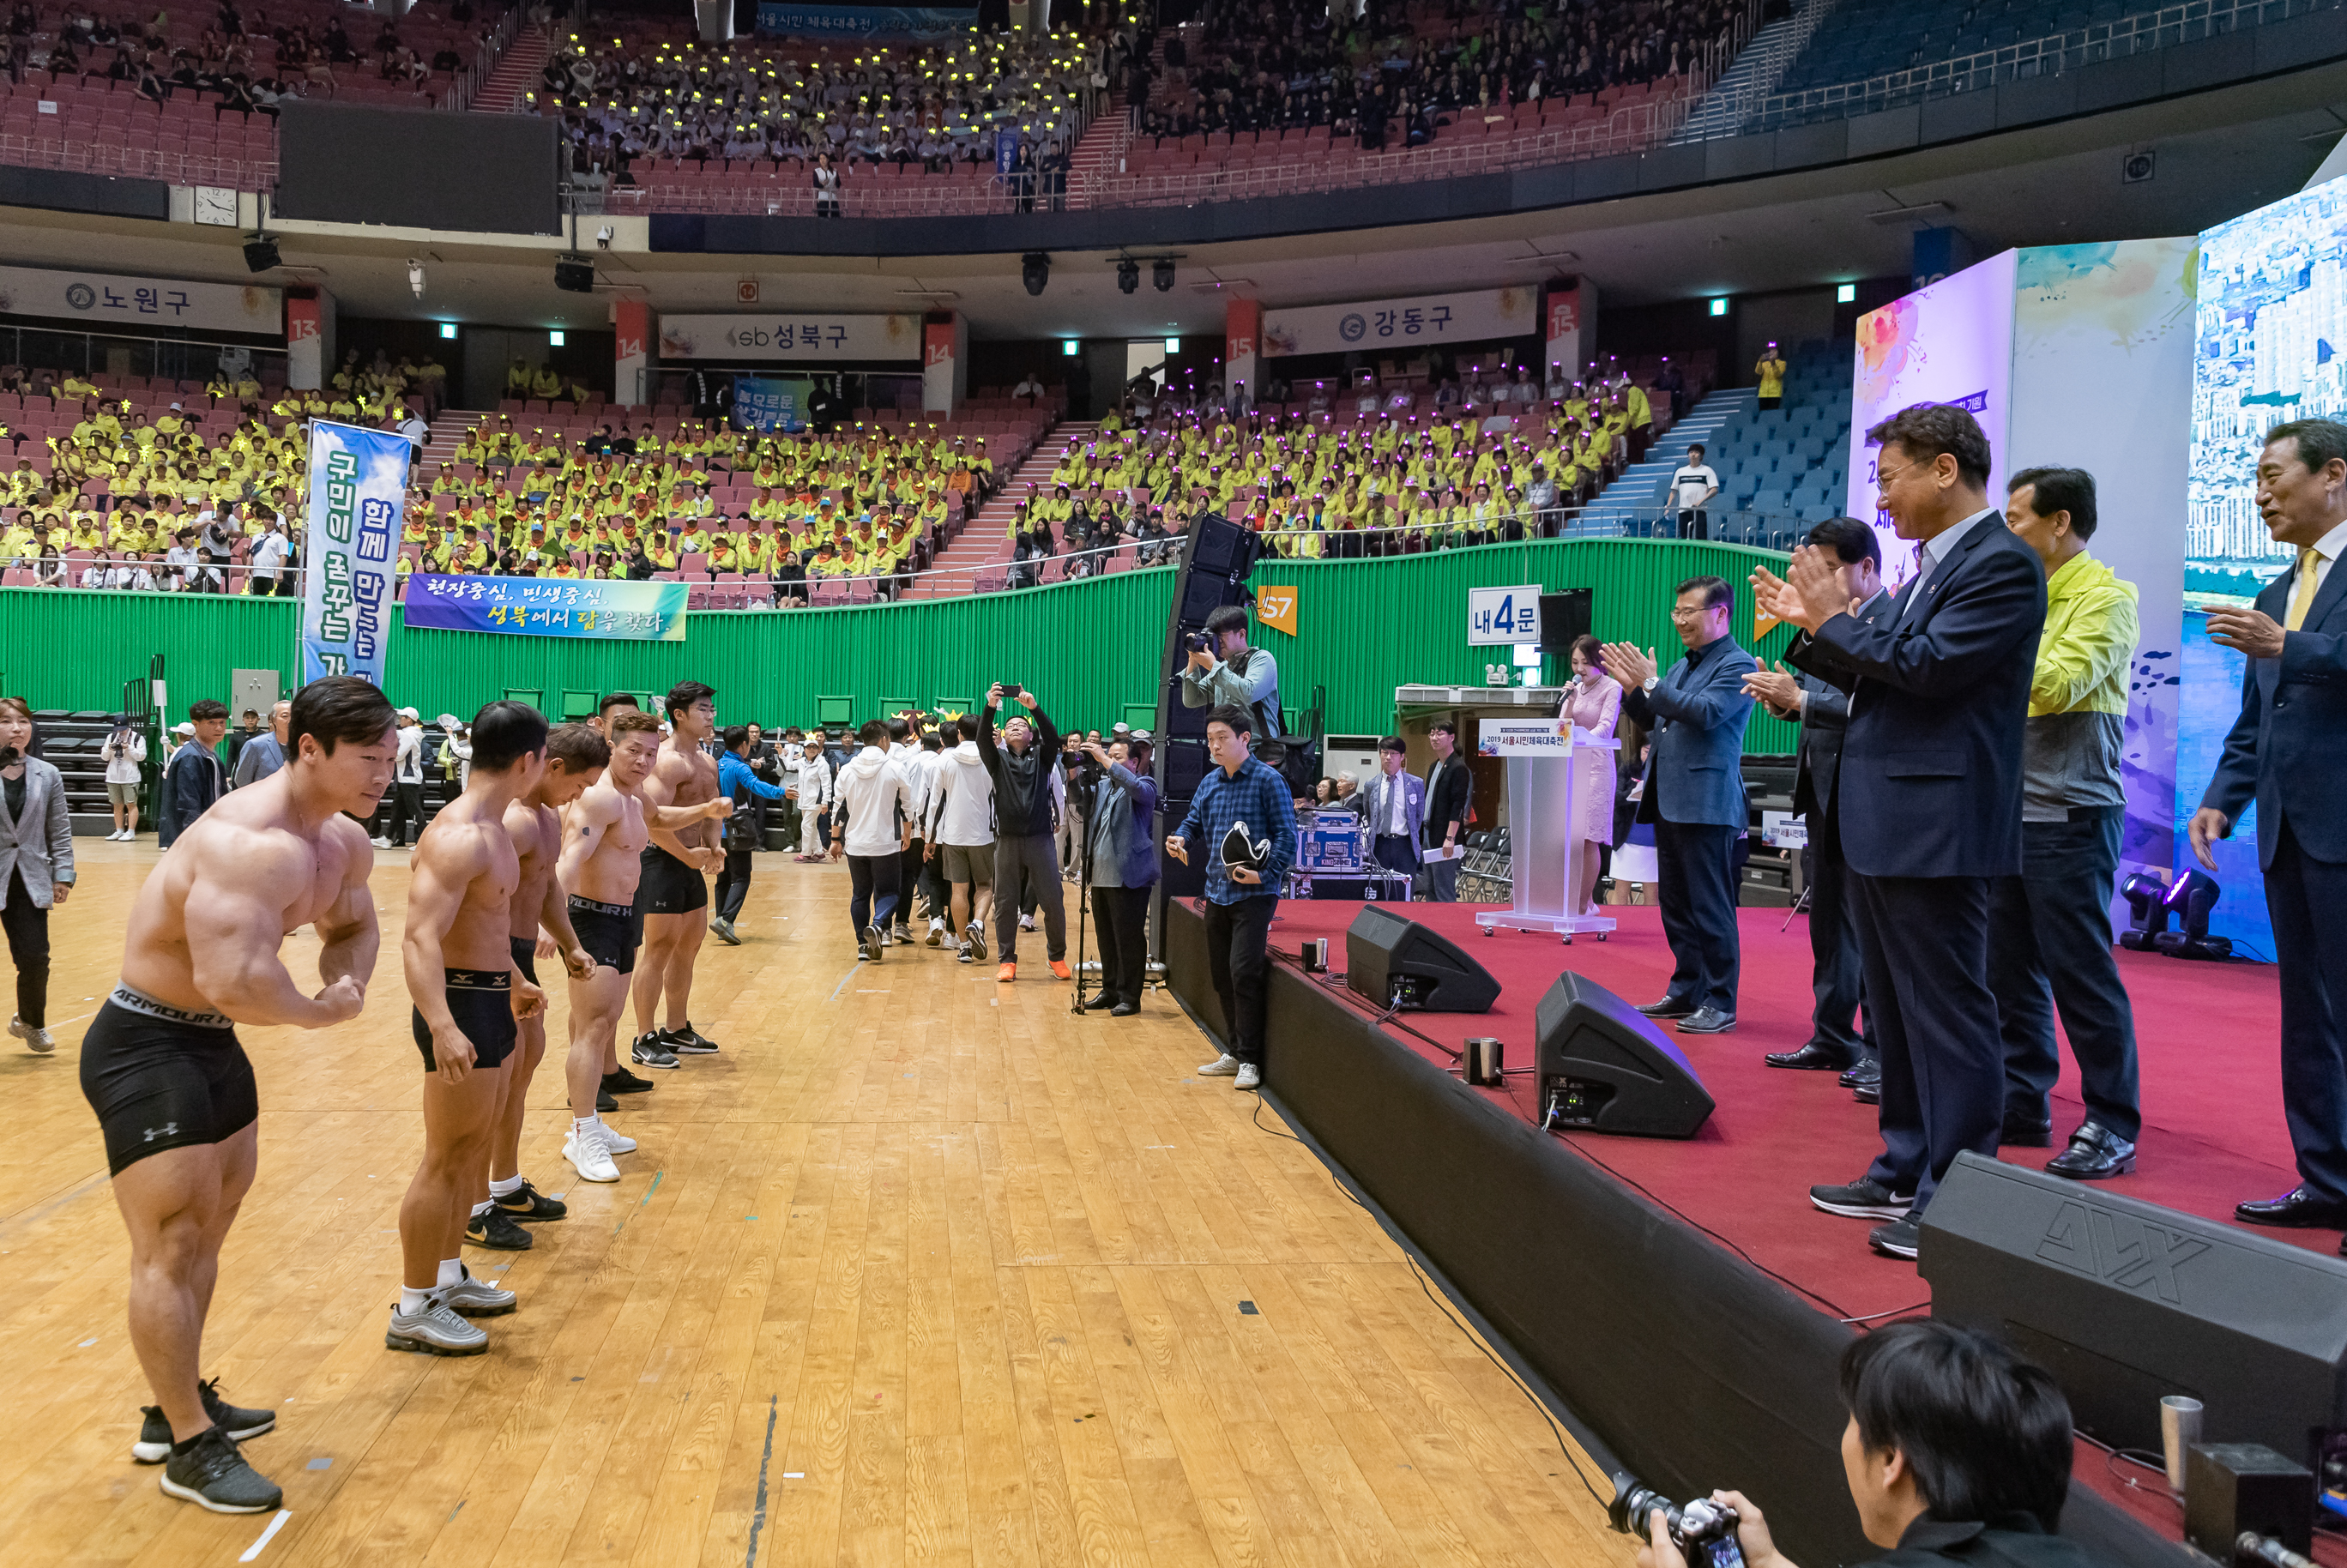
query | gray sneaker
[212, 1474]
[477, 1298]
[40, 1039]
[435, 1330]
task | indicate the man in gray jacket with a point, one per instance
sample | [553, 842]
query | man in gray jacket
[1227, 670]
[1125, 867]
[36, 868]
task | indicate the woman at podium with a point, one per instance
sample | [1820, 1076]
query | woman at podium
[1593, 701]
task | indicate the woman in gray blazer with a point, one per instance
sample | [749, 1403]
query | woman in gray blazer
[36, 868]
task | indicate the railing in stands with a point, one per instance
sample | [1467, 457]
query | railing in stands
[83, 156]
[2042, 56]
[469, 82]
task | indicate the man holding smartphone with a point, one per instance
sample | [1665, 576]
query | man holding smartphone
[1024, 769]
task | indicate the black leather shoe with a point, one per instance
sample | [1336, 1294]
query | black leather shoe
[1865, 1072]
[1124, 1009]
[2297, 1208]
[1813, 1057]
[1707, 1020]
[1868, 1093]
[1669, 1007]
[2095, 1151]
[2021, 1132]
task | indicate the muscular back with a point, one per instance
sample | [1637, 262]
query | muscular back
[246, 873]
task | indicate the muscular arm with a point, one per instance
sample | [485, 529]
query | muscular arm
[348, 929]
[243, 885]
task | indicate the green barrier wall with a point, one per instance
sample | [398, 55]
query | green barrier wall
[1088, 648]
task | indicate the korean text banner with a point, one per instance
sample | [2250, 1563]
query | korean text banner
[1425, 321]
[358, 481]
[548, 607]
[96, 299]
[769, 403]
[795, 335]
[862, 21]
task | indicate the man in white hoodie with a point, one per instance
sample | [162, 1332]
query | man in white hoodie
[814, 786]
[871, 821]
[905, 752]
[959, 833]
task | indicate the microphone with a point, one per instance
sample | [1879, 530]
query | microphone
[2266, 1549]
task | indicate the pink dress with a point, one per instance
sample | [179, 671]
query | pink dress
[1595, 709]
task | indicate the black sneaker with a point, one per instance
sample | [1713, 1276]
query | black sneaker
[529, 1205]
[497, 1230]
[603, 1101]
[619, 1081]
[872, 943]
[211, 1473]
[688, 1041]
[1862, 1199]
[154, 1444]
[1902, 1239]
[648, 1051]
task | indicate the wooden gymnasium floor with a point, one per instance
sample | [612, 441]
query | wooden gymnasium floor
[919, 1270]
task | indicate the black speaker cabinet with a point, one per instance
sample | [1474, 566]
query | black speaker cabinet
[1564, 619]
[1390, 957]
[2125, 1302]
[1603, 1067]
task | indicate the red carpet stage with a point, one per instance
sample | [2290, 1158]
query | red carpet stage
[2208, 1035]
[1682, 1298]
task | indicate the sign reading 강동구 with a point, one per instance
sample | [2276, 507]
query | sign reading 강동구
[548, 607]
[358, 487]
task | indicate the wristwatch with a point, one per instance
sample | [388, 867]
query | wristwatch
[1650, 682]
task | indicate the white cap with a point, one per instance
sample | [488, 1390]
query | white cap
[409, 713]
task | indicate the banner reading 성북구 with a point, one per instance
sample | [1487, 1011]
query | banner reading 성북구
[548, 607]
[358, 485]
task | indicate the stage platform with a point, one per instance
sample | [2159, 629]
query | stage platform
[1729, 1294]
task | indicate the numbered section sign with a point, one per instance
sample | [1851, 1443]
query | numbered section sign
[1503, 615]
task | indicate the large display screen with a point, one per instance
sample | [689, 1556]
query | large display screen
[418, 169]
[1949, 343]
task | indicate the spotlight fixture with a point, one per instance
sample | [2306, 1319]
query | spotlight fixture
[1035, 270]
[1128, 275]
[2147, 895]
[415, 279]
[261, 253]
[1161, 273]
[2191, 900]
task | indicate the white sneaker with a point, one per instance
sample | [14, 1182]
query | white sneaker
[1250, 1076]
[1224, 1066]
[379, 843]
[1026, 922]
[40, 1040]
[590, 1156]
[616, 1142]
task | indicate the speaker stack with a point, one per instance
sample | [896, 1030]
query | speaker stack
[1216, 556]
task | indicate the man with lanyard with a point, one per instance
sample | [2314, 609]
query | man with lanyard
[1240, 798]
[1448, 792]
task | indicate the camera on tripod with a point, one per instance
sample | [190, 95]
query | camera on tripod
[1704, 1531]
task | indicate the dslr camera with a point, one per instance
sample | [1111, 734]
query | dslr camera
[1702, 1530]
[1194, 642]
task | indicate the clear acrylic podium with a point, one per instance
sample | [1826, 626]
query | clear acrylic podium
[1544, 839]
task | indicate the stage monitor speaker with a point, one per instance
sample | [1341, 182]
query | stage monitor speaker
[1603, 1067]
[1564, 620]
[1391, 958]
[1217, 547]
[2125, 1302]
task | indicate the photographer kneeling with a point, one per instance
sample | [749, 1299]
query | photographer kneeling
[1124, 864]
[1957, 1452]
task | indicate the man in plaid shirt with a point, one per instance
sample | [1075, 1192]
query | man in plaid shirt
[1240, 898]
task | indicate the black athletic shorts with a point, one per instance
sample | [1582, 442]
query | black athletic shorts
[607, 932]
[525, 952]
[160, 1077]
[670, 886]
[481, 1001]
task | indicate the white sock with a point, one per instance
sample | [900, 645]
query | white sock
[452, 1271]
[412, 1301]
[581, 1125]
[481, 1209]
[508, 1187]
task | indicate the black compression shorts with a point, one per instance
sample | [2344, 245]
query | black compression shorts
[160, 1077]
[607, 932]
[525, 952]
[670, 886]
[481, 1001]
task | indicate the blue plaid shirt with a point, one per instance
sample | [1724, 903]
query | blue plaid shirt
[1257, 797]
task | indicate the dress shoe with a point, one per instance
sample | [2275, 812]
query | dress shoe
[1707, 1020]
[1669, 1007]
[1813, 1057]
[1868, 1093]
[1865, 1072]
[2095, 1151]
[1902, 1238]
[1124, 1009]
[2025, 1133]
[2297, 1209]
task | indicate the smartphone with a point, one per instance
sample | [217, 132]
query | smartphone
[1010, 688]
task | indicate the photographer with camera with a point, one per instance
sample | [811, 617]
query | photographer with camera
[1122, 802]
[1956, 1451]
[1222, 668]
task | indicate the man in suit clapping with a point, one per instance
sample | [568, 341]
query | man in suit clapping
[1929, 793]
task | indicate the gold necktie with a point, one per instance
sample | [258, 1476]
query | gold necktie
[2302, 596]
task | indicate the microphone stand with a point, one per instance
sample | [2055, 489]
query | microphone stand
[1083, 898]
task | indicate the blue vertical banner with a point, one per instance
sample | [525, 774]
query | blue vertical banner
[358, 484]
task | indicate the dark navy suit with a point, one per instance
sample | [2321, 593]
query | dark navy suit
[1695, 797]
[2287, 752]
[1928, 803]
[1837, 972]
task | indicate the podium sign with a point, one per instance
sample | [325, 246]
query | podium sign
[1545, 838]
